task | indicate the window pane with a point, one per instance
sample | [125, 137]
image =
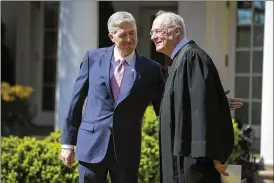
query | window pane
[257, 61]
[243, 62]
[241, 115]
[50, 45]
[256, 113]
[244, 4]
[258, 37]
[257, 87]
[242, 87]
[243, 37]
[259, 12]
[49, 71]
[48, 98]
[244, 13]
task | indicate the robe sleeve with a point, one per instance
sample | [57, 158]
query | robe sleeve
[189, 98]
[203, 126]
[197, 86]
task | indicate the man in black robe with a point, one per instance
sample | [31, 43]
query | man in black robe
[196, 132]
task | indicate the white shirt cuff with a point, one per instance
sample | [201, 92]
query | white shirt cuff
[65, 146]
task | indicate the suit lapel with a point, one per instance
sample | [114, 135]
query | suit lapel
[106, 63]
[139, 68]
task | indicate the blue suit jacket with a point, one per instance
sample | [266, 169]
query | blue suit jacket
[90, 131]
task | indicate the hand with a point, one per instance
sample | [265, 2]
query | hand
[221, 168]
[67, 157]
[234, 103]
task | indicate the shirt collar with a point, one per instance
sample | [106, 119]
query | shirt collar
[129, 58]
[182, 43]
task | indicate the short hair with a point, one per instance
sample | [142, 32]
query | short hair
[119, 18]
[173, 19]
[160, 12]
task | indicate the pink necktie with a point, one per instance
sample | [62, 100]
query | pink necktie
[117, 77]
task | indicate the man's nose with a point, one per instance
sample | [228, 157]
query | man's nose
[153, 37]
[129, 38]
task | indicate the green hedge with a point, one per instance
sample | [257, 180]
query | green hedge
[150, 166]
[29, 160]
[237, 149]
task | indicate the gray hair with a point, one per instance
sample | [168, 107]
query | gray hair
[173, 19]
[119, 18]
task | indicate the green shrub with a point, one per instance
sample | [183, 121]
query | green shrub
[29, 160]
[150, 166]
[15, 112]
[237, 149]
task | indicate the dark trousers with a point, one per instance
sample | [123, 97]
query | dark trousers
[97, 173]
[199, 170]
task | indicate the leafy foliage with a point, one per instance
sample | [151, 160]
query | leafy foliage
[237, 149]
[15, 110]
[150, 163]
[28, 160]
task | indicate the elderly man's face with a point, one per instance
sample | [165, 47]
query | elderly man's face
[163, 36]
[125, 38]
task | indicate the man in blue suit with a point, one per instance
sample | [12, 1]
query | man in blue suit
[118, 85]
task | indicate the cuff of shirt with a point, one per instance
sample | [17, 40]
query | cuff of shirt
[65, 146]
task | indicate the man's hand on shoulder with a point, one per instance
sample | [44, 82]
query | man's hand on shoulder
[234, 103]
[67, 156]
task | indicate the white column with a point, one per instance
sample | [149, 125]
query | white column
[78, 32]
[267, 93]
[195, 21]
[208, 28]
[217, 37]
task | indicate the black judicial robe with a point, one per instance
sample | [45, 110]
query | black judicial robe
[195, 119]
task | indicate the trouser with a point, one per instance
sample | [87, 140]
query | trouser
[97, 173]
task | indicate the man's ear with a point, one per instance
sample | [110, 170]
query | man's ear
[111, 37]
[178, 30]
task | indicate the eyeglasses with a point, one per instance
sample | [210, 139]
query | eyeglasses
[157, 32]
[160, 31]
